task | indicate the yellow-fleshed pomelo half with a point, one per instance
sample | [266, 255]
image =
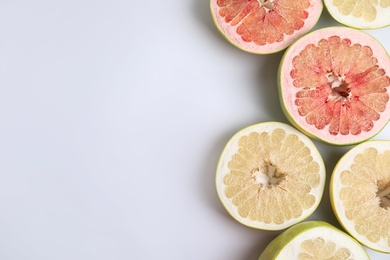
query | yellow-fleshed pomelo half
[270, 176]
[362, 14]
[264, 26]
[314, 240]
[360, 193]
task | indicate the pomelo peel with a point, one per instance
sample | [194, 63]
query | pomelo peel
[310, 238]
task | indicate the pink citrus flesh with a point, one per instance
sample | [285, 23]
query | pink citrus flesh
[264, 26]
[334, 85]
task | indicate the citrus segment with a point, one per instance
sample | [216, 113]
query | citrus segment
[335, 85]
[313, 240]
[264, 26]
[360, 193]
[363, 14]
[270, 176]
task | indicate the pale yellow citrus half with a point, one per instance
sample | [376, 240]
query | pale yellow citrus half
[270, 176]
[362, 14]
[360, 193]
[314, 240]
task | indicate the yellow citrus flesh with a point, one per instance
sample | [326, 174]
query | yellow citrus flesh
[365, 14]
[313, 240]
[270, 176]
[318, 248]
[360, 194]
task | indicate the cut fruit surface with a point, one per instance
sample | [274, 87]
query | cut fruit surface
[362, 14]
[270, 176]
[334, 85]
[360, 193]
[314, 240]
[264, 26]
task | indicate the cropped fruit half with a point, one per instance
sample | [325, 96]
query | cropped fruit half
[270, 176]
[334, 85]
[360, 193]
[362, 14]
[313, 240]
[264, 26]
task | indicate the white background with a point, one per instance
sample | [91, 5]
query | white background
[113, 115]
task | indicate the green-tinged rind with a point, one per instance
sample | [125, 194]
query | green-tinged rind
[275, 247]
[288, 115]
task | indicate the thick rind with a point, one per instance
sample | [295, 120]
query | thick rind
[334, 187]
[227, 154]
[229, 32]
[358, 23]
[284, 79]
[278, 248]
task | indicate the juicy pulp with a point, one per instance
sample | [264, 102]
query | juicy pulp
[264, 26]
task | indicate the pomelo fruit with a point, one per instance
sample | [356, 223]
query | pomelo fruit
[360, 193]
[315, 240]
[270, 176]
[334, 85]
[264, 26]
[362, 14]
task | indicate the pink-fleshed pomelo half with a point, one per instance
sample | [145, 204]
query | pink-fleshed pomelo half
[264, 26]
[334, 85]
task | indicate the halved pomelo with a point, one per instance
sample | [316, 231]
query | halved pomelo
[363, 14]
[314, 240]
[334, 85]
[270, 176]
[264, 26]
[360, 193]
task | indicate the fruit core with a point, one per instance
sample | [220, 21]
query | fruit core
[339, 89]
[384, 196]
[267, 175]
[268, 4]
[339, 86]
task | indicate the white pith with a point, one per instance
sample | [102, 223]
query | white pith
[288, 90]
[336, 185]
[382, 18]
[232, 148]
[229, 31]
[292, 249]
